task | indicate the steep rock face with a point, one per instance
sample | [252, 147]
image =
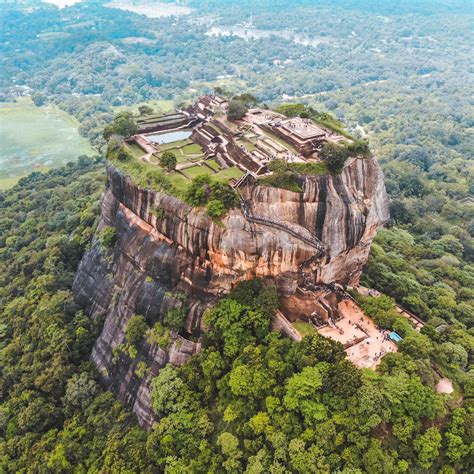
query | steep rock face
[164, 247]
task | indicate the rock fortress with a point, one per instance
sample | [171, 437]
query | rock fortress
[311, 242]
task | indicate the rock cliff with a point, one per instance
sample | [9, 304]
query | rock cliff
[165, 247]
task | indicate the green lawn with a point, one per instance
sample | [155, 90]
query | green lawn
[229, 173]
[305, 329]
[135, 150]
[178, 181]
[184, 150]
[197, 171]
[213, 164]
[192, 149]
[36, 139]
[250, 146]
[177, 144]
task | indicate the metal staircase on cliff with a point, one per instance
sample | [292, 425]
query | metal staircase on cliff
[255, 218]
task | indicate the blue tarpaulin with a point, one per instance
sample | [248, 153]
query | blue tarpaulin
[395, 337]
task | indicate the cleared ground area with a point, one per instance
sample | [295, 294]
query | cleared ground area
[365, 343]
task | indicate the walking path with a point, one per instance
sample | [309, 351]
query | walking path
[314, 242]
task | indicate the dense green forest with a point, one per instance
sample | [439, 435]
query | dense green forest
[250, 401]
[396, 73]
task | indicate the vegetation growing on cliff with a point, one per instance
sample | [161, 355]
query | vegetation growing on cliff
[391, 70]
[250, 400]
[257, 402]
[218, 196]
[142, 174]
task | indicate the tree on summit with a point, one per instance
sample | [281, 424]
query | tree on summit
[168, 160]
[145, 110]
[237, 110]
[335, 156]
[123, 125]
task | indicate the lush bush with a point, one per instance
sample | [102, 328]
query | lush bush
[247, 99]
[145, 110]
[256, 392]
[168, 160]
[284, 180]
[123, 125]
[335, 156]
[237, 110]
[288, 175]
[109, 237]
[136, 329]
[292, 110]
[204, 190]
[48, 387]
[216, 208]
[175, 318]
[141, 173]
[314, 169]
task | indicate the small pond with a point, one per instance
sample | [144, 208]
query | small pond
[169, 137]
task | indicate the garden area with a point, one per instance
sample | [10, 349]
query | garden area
[172, 170]
[185, 151]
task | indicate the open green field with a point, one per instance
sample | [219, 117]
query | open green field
[178, 181]
[197, 171]
[184, 150]
[229, 173]
[36, 138]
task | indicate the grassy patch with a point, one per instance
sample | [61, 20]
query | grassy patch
[37, 138]
[193, 149]
[313, 169]
[135, 150]
[248, 145]
[284, 180]
[229, 173]
[179, 182]
[213, 164]
[177, 144]
[6, 183]
[305, 329]
[159, 106]
[143, 174]
[197, 171]
[335, 126]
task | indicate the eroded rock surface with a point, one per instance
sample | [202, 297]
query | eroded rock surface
[164, 246]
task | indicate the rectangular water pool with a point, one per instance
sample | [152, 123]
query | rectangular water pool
[169, 137]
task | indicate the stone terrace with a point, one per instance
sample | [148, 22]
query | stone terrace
[245, 146]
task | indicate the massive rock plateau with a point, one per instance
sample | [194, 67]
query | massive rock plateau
[165, 247]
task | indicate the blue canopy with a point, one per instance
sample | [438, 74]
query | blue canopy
[395, 337]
